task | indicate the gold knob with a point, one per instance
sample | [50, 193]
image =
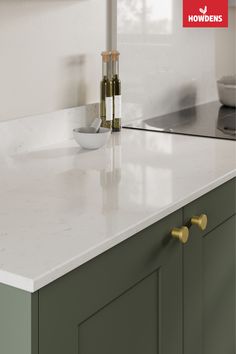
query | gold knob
[200, 221]
[181, 234]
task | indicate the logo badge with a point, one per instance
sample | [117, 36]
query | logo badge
[205, 13]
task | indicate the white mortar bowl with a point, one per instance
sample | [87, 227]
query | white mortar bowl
[92, 141]
[227, 90]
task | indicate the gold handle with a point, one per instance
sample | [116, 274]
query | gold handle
[181, 234]
[200, 221]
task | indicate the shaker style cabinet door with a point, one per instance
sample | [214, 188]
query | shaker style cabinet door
[126, 301]
[209, 275]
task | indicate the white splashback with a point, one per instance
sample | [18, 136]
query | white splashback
[164, 67]
[50, 54]
[26, 134]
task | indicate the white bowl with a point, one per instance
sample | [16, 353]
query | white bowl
[227, 90]
[92, 141]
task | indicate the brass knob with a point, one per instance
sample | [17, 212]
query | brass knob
[200, 221]
[181, 234]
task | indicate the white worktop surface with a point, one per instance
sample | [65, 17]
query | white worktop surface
[61, 206]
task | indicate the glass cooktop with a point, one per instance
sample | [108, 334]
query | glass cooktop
[210, 120]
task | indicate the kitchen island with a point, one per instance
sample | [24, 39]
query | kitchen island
[87, 260]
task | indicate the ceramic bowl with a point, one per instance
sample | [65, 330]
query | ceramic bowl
[227, 90]
[92, 141]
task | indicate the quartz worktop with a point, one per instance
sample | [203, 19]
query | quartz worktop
[61, 206]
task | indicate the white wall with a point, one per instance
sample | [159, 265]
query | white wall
[49, 54]
[225, 45]
[166, 67]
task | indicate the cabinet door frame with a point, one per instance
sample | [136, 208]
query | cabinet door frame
[200, 280]
[105, 278]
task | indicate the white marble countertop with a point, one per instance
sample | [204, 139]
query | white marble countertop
[61, 206]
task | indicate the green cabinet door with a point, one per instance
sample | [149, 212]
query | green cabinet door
[209, 274]
[129, 324]
[209, 291]
[126, 301]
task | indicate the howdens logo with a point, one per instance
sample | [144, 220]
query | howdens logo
[206, 18]
[210, 13]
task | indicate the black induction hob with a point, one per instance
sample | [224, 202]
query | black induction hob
[210, 120]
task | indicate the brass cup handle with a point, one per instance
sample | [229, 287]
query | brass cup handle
[181, 234]
[200, 221]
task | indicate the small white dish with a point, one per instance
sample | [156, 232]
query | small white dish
[92, 141]
[227, 90]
